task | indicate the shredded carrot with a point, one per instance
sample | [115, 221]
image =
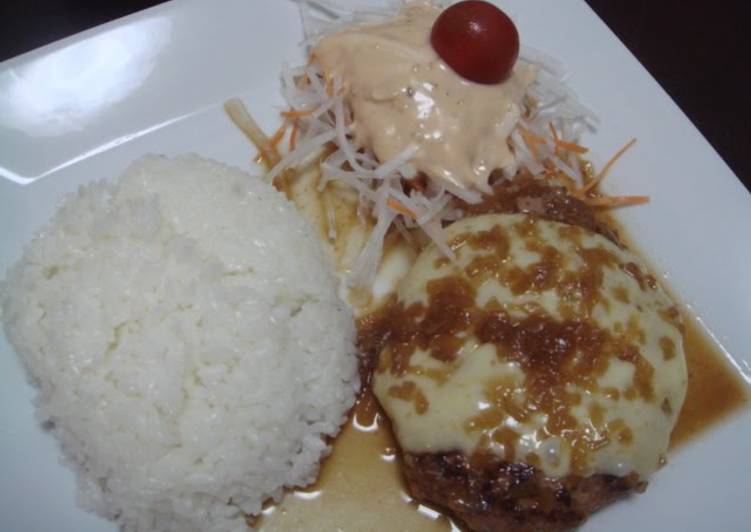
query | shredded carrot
[561, 144]
[293, 135]
[537, 139]
[556, 138]
[615, 201]
[605, 169]
[570, 146]
[297, 113]
[531, 140]
[268, 152]
[277, 136]
[400, 208]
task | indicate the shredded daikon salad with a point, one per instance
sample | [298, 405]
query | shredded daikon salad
[544, 142]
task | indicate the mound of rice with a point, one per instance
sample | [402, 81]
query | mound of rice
[190, 350]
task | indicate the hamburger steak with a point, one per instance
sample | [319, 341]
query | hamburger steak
[534, 378]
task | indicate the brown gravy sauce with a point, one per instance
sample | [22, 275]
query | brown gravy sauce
[715, 388]
[360, 486]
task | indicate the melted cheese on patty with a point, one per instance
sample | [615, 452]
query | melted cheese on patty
[541, 342]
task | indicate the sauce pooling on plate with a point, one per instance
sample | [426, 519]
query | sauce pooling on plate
[360, 481]
[404, 97]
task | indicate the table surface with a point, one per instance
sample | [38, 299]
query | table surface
[694, 52]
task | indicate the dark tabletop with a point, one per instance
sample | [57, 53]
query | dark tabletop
[693, 48]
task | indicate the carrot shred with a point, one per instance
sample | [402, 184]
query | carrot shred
[297, 113]
[277, 136]
[556, 138]
[400, 208]
[615, 201]
[293, 135]
[605, 169]
[561, 144]
[531, 140]
[528, 135]
[571, 146]
[268, 152]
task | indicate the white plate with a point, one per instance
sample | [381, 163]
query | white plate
[83, 108]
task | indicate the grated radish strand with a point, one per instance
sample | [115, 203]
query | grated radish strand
[329, 122]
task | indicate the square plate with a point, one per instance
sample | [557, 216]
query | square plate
[85, 107]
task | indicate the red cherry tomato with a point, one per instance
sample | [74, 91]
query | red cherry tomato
[477, 40]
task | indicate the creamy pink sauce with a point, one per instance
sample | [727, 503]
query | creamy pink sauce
[403, 95]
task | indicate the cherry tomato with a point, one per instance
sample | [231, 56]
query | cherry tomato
[477, 40]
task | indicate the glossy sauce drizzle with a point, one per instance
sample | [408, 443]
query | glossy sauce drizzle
[715, 390]
[360, 486]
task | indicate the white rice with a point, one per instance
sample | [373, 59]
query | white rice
[188, 345]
